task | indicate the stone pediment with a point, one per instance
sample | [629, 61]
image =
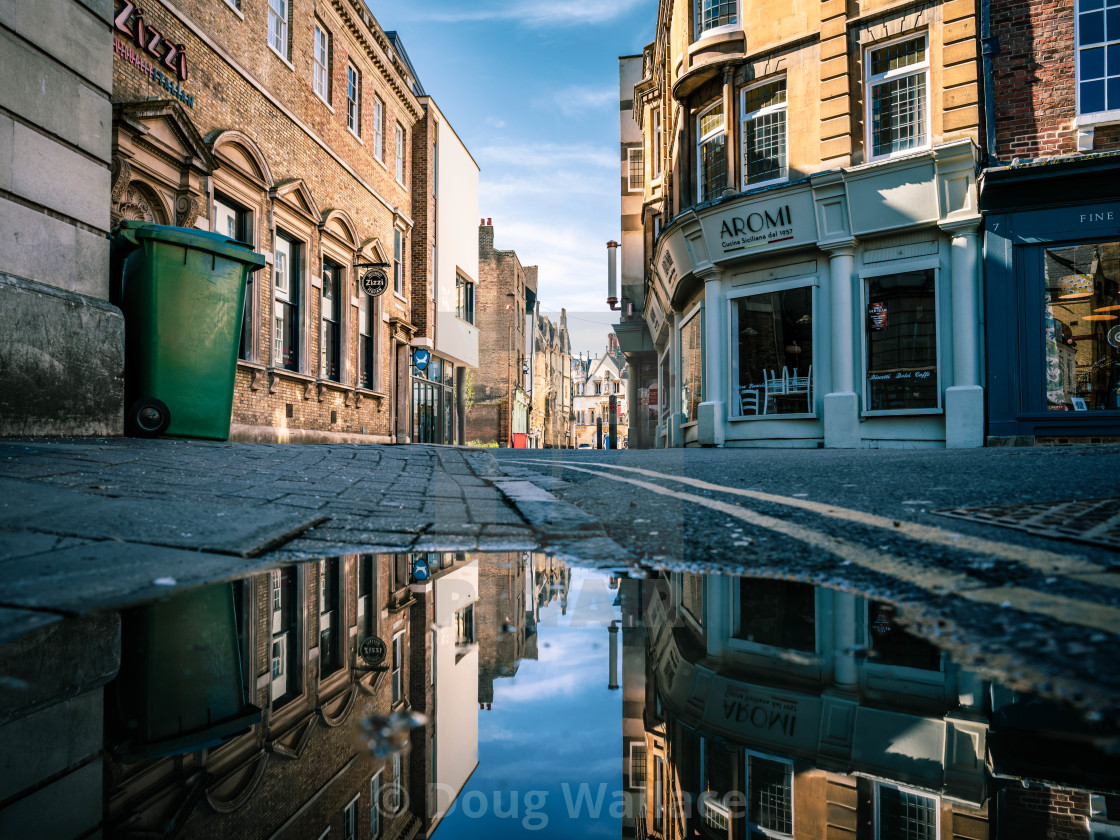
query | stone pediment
[239, 153]
[163, 127]
[338, 224]
[294, 193]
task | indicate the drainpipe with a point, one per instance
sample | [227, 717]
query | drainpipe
[989, 46]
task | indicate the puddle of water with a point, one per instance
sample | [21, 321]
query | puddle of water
[502, 694]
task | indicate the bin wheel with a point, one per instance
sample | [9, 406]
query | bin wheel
[148, 417]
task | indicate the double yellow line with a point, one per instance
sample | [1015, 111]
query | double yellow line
[930, 578]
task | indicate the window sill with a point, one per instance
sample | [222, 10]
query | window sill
[283, 58]
[380, 162]
[902, 412]
[1100, 118]
[750, 418]
[401, 184]
[235, 10]
[320, 97]
[902, 153]
[718, 35]
[760, 184]
[355, 135]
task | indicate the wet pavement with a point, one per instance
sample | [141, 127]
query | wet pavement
[254, 640]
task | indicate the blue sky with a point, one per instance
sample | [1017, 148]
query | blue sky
[552, 743]
[532, 90]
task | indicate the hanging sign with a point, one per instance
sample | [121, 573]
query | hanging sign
[421, 358]
[372, 650]
[420, 570]
[877, 317]
[375, 281]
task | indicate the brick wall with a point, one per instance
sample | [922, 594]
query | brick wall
[238, 82]
[1034, 75]
[1045, 814]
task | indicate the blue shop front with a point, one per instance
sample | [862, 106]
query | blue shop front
[1052, 300]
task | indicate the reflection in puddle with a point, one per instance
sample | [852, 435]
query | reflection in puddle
[501, 694]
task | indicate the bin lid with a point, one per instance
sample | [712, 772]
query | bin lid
[199, 240]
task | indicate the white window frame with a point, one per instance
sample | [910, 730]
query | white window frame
[904, 789]
[886, 270]
[378, 128]
[871, 82]
[398, 262]
[747, 754]
[282, 292]
[764, 111]
[771, 287]
[655, 144]
[1093, 117]
[397, 666]
[278, 11]
[701, 32]
[353, 102]
[350, 819]
[399, 163]
[631, 186]
[375, 805]
[701, 139]
[395, 789]
[235, 5]
[320, 64]
[734, 642]
[696, 312]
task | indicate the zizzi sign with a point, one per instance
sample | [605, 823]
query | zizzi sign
[152, 51]
[760, 227]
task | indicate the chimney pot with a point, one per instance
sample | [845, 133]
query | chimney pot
[488, 221]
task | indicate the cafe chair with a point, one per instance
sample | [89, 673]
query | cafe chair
[802, 385]
[772, 384]
[748, 401]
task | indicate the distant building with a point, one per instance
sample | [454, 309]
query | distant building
[550, 425]
[596, 380]
[506, 310]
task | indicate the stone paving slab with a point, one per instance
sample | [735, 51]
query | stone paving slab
[16, 623]
[111, 575]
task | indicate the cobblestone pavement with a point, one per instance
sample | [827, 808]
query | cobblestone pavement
[88, 524]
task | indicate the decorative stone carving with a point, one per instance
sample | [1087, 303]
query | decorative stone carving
[308, 388]
[186, 210]
[134, 205]
[320, 391]
[273, 380]
[121, 176]
[256, 380]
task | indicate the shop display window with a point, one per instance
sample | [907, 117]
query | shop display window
[777, 613]
[901, 330]
[1081, 327]
[773, 358]
[692, 366]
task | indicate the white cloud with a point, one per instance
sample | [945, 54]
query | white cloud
[577, 100]
[548, 156]
[537, 14]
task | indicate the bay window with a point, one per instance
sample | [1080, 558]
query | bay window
[769, 796]
[1098, 56]
[897, 82]
[711, 153]
[763, 133]
[777, 613]
[713, 14]
[901, 369]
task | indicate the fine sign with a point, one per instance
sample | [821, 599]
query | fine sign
[375, 282]
[372, 650]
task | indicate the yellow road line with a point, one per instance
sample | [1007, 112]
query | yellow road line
[932, 579]
[1037, 559]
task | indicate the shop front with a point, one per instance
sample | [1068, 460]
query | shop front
[1053, 296]
[841, 310]
[433, 401]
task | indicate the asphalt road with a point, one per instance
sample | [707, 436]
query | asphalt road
[1037, 612]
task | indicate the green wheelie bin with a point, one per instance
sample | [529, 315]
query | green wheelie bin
[182, 292]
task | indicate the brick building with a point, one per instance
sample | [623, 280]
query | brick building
[505, 305]
[286, 125]
[550, 424]
[1050, 195]
[801, 166]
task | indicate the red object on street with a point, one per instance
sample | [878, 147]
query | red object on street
[520, 440]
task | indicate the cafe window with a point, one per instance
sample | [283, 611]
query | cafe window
[892, 644]
[330, 349]
[772, 365]
[901, 373]
[1081, 327]
[777, 613]
[692, 366]
[285, 334]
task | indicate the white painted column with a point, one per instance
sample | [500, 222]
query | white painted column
[718, 604]
[674, 384]
[710, 413]
[845, 675]
[964, 399]
[841, 405]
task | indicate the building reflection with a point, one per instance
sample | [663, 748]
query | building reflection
[248, 709]
[773, 709]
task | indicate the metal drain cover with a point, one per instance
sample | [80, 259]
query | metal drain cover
[1095, 521]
